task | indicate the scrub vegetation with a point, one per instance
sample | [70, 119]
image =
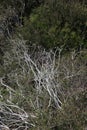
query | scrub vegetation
[43, 65]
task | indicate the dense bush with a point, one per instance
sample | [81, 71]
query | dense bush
[41, 86]
[57, 23]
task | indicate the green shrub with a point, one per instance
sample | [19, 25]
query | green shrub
[57, 23]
